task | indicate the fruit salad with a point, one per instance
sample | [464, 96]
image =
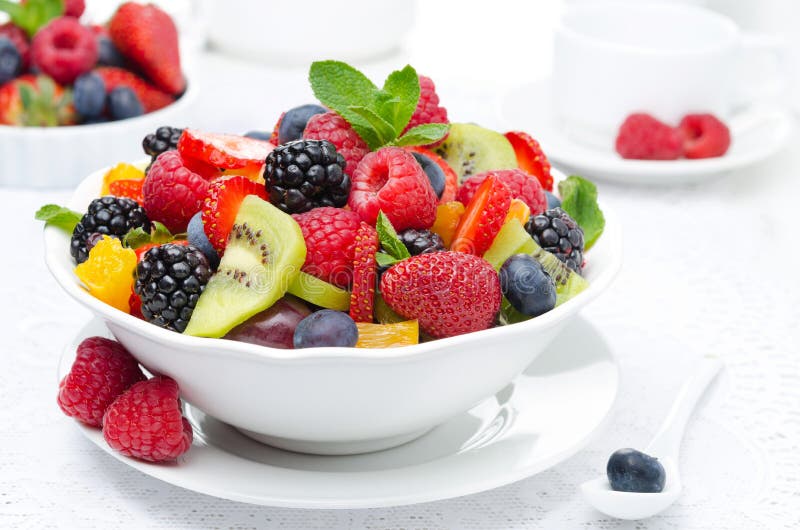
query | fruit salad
[366, 220]
[55, 70]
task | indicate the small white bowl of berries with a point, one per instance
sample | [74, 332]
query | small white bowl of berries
[73, 94]
[343, 283]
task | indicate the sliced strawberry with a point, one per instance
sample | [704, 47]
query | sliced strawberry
[222, 204]
[131, 188]
[362, 298]
[451, 178]
[531, 158]
[483, 218]
[226, 151]
[274, 138]
[207, 171]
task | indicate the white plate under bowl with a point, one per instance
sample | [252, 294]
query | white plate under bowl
[336, 400]
[60, 157]
[757, 133]
[543, 417]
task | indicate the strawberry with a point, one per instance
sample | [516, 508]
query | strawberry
[151, 97]
[449, 293]
[35, 101]
[362, 298]
[226, 151]
[222, 204]
[483, 217]
[147, 36]
[131, 188]
[530, 157]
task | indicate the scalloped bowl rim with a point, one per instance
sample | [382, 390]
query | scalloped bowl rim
[186, 99]
[57, 245]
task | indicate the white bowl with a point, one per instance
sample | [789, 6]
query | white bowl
[335, 400]
[59, 157]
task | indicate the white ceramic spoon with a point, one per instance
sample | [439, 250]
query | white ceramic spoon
[665, 446]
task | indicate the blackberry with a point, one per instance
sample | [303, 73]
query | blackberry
[558, 233]
[421, 241]
[114, 216]
[164, 139]
[306, 174]
[169, 280]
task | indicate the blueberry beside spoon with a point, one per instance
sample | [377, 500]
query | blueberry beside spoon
[642, 484]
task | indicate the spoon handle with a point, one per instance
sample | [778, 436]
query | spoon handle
[667, 441]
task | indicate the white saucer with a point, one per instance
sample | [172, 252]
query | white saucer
[758, 132]
[545, 416]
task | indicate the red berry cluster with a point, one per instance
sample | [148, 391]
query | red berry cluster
[642, 136]
[105, 388]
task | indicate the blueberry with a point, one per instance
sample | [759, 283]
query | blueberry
[552, 201]
[326, 328]
[10, 60]
[89, 95]
[294, 122]
[197, 237]
[107, 53]
[434, 172]
[632, 470]
[259, 135]
[527, 286]
[123, 104]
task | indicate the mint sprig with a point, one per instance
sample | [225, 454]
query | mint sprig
[58, 216]
[138, 237]
[393, 249]
[378, 115]
[33, 14]
[579, 200]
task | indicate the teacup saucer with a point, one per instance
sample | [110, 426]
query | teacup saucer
[542, 418]
[758, 132]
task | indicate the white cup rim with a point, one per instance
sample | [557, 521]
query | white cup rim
[729, 26]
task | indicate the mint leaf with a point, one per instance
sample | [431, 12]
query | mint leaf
[579, 200]
[58, 216]
[425, 134]
[138, 237]
[403, 88]
[387, 235]
[33, 14]
[339, 86]
[383, 131]
[385, 260]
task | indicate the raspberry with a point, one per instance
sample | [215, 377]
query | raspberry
[330, 235]
[362, 299]
[449, 293]
[74, 8]
[643, 137]
[428, 109]
[332, 127]
[172, 192]
[704, 136]
[146, 422]
[103, 369]
[64, 49]
[391, 180]
[19, 39]
[522, 185]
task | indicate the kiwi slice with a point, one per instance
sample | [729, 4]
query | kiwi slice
[513, 239]
[262, 259]
[471, 149]
[385, 314]
[320, 293]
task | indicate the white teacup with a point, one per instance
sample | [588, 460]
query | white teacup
[667, 59]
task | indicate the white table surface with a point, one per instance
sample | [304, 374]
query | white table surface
[709, 268]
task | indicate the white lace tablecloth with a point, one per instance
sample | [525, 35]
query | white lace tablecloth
[709, 268]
